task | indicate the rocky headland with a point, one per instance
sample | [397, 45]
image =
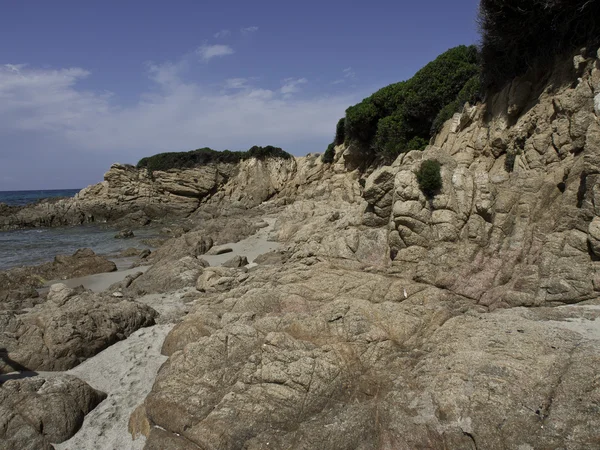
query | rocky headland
[335, 302]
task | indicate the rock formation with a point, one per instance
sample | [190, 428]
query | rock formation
[390, 319]
[18, 285]
[36, 412]
[68, 328]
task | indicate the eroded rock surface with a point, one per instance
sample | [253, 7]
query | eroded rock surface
[68, 328]
[36, 412]
[393, 320]
[18, 285]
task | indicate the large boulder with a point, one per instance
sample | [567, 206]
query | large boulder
[319, 354]
[67, 329]
[36, 412]
[168, 275]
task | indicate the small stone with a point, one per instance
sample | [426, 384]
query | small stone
[117, 294]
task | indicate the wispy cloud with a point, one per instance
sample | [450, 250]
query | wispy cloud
[177, 114]
[236, 83]
[207, 52]
[291, 85]
[348, 74]
[221, 34]
[249, 30]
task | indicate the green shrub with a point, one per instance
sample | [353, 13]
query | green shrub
[417, 143]
[329, 154]
[391, 118]
[429, 177]
[361, 122]
[203, 156]
[340, 132]
[470, 93]
[519, 34]
[390, 139]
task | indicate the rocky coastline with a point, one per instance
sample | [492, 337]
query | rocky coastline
[369, 315]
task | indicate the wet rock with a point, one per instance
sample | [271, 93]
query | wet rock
[124, 234]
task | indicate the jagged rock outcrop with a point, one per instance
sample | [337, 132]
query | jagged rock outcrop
[68, 328]
[36, 412]
[131, 197]
[515, 221]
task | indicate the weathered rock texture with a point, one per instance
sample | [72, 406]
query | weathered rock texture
[35, 412]
[18, 286]
[68, 328]
[130, 197]
[320, 356]
[390, 320]
[516, 222]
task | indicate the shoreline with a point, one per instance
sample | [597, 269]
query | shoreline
[126, 370]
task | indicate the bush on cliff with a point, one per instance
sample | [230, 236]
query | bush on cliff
[429, 177]
[340, 132]
[519, 34]
[391, 118]
[203, 156]
[329, 154]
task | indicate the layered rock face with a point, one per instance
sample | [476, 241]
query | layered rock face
[515, 223]
[135, 196]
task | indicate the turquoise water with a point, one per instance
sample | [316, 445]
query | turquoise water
[19, 198]
[36, 246]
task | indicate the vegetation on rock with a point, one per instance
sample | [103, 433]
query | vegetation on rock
[519, 34]
[340, 132]
[400, 116]
[203, 156]
[329, 154]
[429, 177]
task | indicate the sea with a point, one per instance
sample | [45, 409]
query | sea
[39, 245]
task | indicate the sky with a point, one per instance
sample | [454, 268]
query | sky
[84, 84]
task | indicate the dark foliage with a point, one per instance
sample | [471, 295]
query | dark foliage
[520, 34]
[429, 177]
[394, 116]
[329, 154]
[340, 132]
[203, 156]
[470, 93]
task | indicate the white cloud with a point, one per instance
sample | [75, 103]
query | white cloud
[207, 52]
[236, 83]
[222, 34]
[175, 115]
[249, 30]
[291, 85]
[349, 73]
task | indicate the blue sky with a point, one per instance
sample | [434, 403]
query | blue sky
[84, 84]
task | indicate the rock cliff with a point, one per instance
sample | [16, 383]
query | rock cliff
[399, 321]
[515, 223]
